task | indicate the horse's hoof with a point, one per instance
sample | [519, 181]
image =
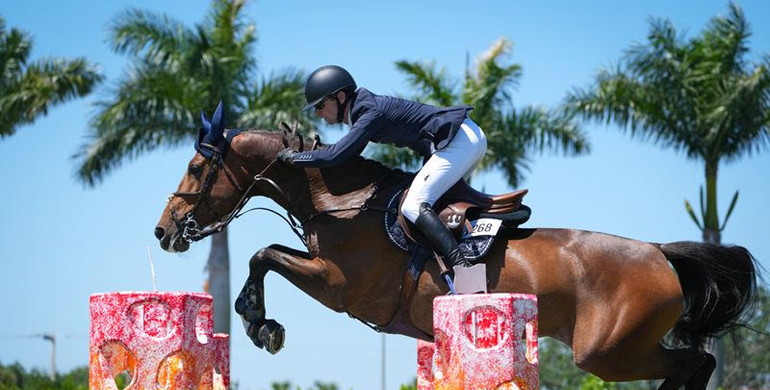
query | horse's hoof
[272, 335]
[252, 330]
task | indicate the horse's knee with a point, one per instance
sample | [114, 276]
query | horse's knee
[591, 363]
[259, 258]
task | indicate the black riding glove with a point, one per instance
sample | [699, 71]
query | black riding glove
[286, 156]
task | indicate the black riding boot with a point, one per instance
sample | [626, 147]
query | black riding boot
[439, 236]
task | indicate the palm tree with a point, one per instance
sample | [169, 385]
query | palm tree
[175, 72]
[701, 96]
[511, 134]
[29, 89]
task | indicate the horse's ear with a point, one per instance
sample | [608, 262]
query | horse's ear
[205, 122]
[203, 135]
[218, 124]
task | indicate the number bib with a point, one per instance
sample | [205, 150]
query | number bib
[483, 227]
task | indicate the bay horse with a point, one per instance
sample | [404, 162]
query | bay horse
[611, 299]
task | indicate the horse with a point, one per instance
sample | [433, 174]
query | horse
[611, 299]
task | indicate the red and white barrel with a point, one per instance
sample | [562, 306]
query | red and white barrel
[482, 341]
[157, 340]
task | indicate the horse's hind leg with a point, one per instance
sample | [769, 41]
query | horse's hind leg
[679, 367]
[700, 379]
[689, 368]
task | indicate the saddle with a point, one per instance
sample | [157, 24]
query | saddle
[463, 205]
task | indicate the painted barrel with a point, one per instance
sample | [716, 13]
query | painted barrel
[482, 341]
[156, 340]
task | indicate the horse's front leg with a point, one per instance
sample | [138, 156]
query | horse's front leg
[250, 304]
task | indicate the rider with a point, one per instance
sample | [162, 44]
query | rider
[452, 143]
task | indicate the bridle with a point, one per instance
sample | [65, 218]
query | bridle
[191, 230]
[189, 226]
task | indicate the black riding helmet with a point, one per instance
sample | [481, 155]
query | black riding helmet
[325, 81]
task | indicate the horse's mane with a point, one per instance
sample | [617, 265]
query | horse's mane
[345, 185]
[353, 169]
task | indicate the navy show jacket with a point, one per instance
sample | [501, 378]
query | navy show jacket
[385, 119]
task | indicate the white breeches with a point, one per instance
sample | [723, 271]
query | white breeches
[445, 168]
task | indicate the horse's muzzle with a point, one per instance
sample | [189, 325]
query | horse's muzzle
[159, 232]
[169, 243]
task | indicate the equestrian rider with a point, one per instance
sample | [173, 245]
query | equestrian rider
[450, 141]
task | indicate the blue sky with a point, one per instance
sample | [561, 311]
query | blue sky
[61, 242]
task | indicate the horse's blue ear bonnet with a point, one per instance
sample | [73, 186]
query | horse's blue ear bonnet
[211, 136]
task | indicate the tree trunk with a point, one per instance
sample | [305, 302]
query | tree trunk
[218, 268]
[713, 235]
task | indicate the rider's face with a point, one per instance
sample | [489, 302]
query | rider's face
[327, 108]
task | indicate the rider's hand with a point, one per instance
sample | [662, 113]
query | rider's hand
[286, 156]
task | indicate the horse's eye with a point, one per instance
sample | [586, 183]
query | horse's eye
[194, 170]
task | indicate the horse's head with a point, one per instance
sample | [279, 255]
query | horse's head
[209, 193]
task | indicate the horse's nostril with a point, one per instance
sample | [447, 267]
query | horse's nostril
[159, 232]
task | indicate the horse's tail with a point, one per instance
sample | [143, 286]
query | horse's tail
[719, 284]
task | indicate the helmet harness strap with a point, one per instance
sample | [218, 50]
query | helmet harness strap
[340, 107]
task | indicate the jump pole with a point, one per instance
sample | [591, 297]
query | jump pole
[481, 341]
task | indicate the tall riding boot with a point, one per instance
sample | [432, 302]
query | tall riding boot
[440, 236]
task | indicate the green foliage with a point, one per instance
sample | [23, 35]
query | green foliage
[747, 351]
[701, 96]
[511, 134]
[409, 386]
[557, 371]
[16, 377]
[593, 383]
[317, 385]
[176, 72]
[28, 89]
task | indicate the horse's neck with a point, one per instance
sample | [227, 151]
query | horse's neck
[346, 187]
[312, 191]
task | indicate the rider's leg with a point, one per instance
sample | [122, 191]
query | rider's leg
[440, 236]
[442, 170]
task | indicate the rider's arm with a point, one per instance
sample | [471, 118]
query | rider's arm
[351, 144]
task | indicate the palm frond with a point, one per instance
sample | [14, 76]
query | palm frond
[432, 84]
[150, 109]
[742, 114]
[41, 85]
[15, 47]
[142, 34]
[725, 42]
[489, 87]
[400, 158]
[278, 98]
[699, 96]
[521, 132]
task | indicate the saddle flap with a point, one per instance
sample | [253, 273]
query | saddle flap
[455, 206]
